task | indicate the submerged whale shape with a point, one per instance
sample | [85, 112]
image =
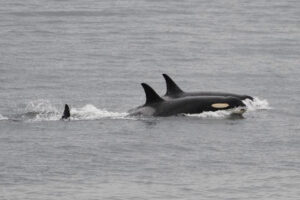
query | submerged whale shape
[157, 106]
[173, 92]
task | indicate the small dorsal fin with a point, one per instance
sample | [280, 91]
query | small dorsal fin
[66, 114]
[151, 95]
[172, 87]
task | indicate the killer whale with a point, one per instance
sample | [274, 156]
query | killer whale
[66, 115]
[158, 106]
[174, 91]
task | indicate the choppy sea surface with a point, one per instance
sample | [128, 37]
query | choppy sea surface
[93, 55]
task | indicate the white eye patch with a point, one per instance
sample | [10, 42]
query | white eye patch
[220, 105]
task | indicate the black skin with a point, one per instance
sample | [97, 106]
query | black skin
[193, 105]
[157, 106]
[216, 94]
[173, 91]
[66, 114]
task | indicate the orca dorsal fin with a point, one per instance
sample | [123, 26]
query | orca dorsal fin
[172, 87]
[66, 114]
[151, 95]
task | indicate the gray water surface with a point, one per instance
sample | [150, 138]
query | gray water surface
[93, 55]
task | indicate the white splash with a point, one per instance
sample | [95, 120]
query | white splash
[40, 106]
[44, 110]
[3, 118]
[217, 114]
[257, 104]
[41, 110]
[90, 112]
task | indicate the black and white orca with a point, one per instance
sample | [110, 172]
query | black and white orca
[158, 106]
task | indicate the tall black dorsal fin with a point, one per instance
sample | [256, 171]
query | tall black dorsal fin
[66, 114]
[172, 87]
[151, 95]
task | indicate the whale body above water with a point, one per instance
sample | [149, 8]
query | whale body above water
[157, 106]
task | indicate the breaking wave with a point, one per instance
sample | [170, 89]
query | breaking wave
[44, 110]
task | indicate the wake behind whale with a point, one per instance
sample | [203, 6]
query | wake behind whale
[44, 110]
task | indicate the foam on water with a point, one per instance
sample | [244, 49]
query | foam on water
[90, 112]
[216, 114]
[3, 118]
[257, 104]
[44, 110]
[41, 110]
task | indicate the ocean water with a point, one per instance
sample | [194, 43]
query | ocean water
[93, 55]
